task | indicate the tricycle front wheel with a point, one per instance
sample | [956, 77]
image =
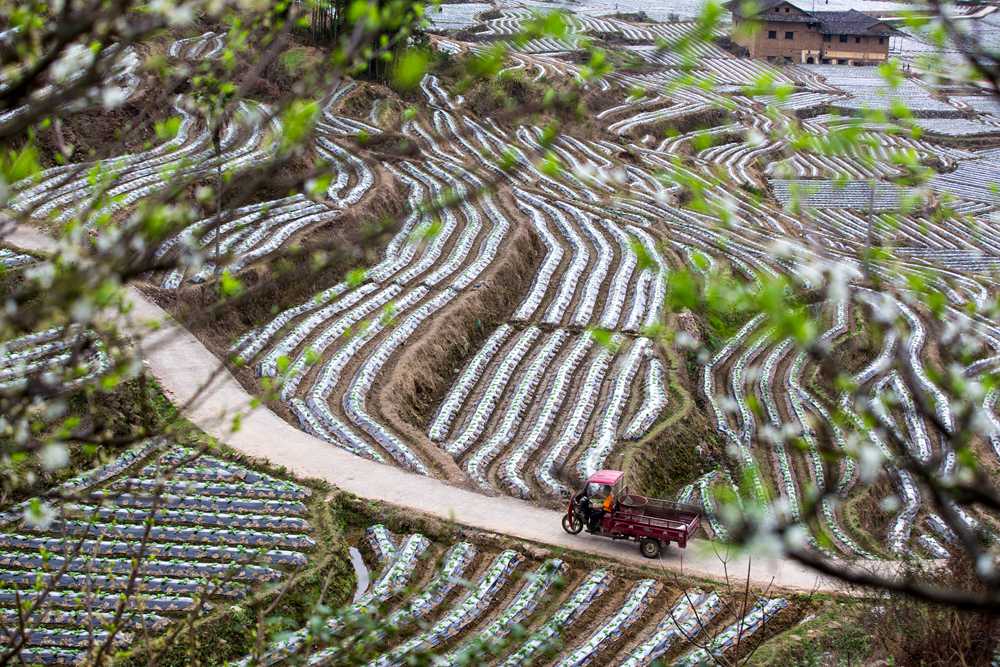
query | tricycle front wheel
[572, 523]
[650, 547]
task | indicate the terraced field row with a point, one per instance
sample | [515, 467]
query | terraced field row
[181, 530]
[514, 610]
[588, 275]
[59, 359]
[959, 249]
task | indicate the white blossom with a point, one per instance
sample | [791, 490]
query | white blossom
[884, 307]
[586, 171]
[755, 137]
[809, 274]
[840, 276]
[983, 423]
[727, 404]
[43, 273]
[789, 431]
[685, 341]
[72, 62]
[769, 434]
[766, 544]
[113, 97]
[175, 14]
[796, 536]
[783, 248]
[82, 310]
[986, 566]
[889, 504]
[54, 456]
[869, 463]
[39, 515]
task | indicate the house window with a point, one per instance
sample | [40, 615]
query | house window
[857, 40]
[826, 38]
[772, 34]
[881, 40]
[843, 39]
[786, 10]
[789, 35]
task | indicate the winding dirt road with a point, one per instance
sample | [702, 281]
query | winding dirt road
[182, 366]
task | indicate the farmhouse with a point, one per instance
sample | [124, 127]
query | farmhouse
[779, 31]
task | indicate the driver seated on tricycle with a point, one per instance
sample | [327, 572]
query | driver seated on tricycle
[601, 501]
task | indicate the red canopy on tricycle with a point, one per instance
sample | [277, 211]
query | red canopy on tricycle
[609, 477]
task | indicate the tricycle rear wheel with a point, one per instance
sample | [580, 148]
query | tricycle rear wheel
[650, 547]
[572, 523]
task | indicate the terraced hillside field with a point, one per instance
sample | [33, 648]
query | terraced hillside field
[468, 601]
[466, 352]
[165, 538]
[144, 543]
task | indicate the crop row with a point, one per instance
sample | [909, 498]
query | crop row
[521, 398]
[172, 557]
[632, 608]
[207, 46]
[606, 432]
[60, 358]
[242, 236]
[476, 602]
[11, 259]
[120, 64]
[514, 405]
[761, 612]
[488, 617]
[393, 580]
[511, 472]
[682, 623]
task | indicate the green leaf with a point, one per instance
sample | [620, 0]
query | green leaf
[297, 122]
[355, 277]
[410, 68]
[167, 128]
[18, 164]
[644, 259]
[605, 339]
[229, 285]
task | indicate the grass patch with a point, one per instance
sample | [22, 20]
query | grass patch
[833, 635]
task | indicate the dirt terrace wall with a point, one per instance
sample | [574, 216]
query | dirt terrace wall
[428, 365]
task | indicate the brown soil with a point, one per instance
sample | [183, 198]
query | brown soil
[359, 103]
[390, 145]
[677, 455]
[268, 182]
[514, 100]
[686, 123]
[98, 134]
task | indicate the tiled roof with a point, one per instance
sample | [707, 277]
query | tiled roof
[851, 22]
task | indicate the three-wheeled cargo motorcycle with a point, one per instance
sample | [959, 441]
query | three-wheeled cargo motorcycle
[606, 507]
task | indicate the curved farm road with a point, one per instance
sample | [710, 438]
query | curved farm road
[182, 365]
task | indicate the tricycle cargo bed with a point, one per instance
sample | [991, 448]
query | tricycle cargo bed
[662, 509]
